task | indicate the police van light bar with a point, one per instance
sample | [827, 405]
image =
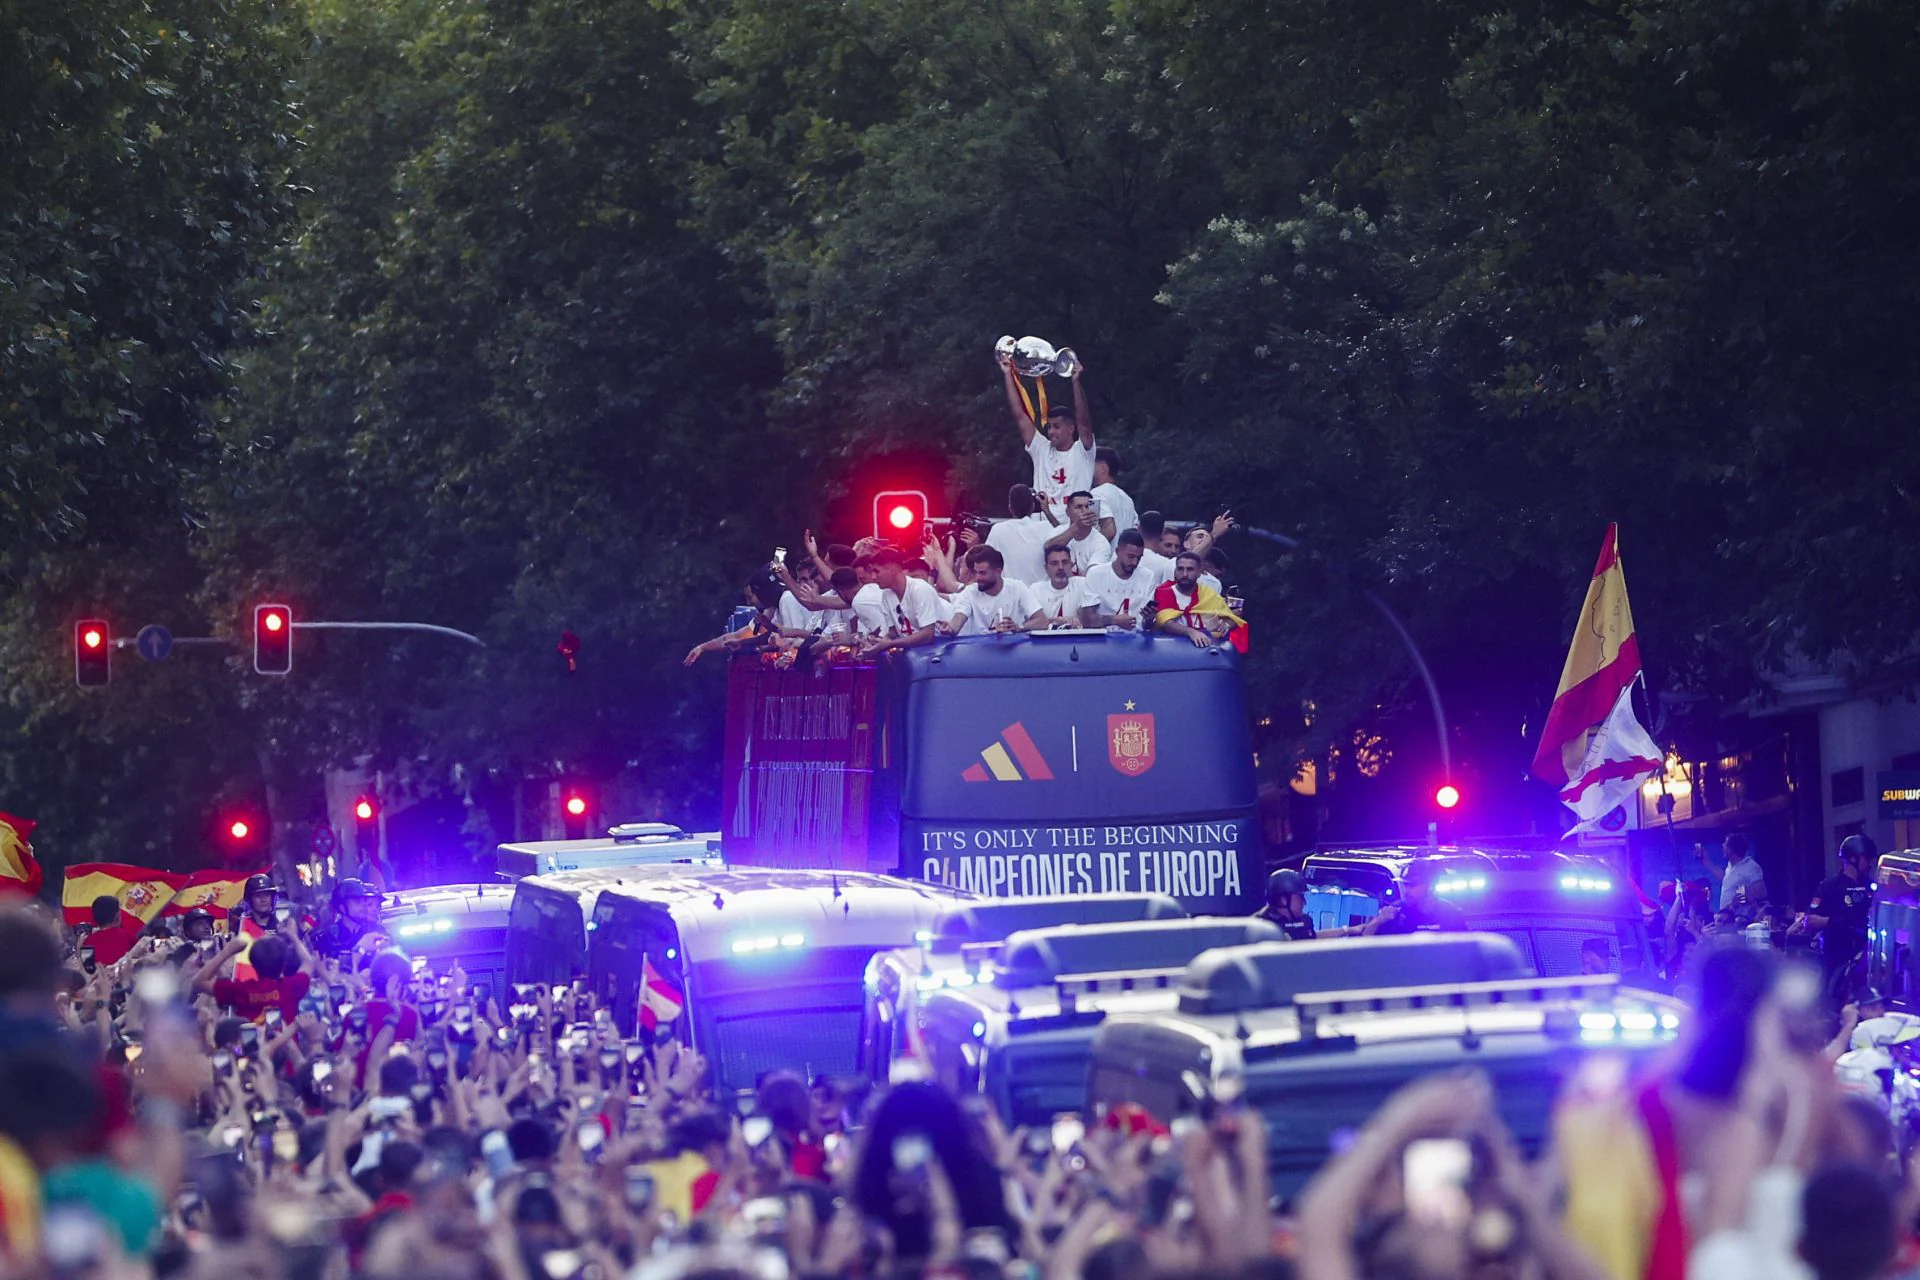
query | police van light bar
[940, 981]
[424, 927]
[1586, 884]
[1462, 884]
[1627, 1024]
[753, 946]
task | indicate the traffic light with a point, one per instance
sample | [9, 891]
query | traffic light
[899, 515]
[272, 639]
[92, 653]
[364, 809]
[574, 811]
[1447, 797]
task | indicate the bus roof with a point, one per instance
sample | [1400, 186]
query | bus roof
[1040, 957]
[1269, 975]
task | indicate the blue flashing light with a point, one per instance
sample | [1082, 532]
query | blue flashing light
[942, 981]
[1586, 884]
[923, 936]
[422, 928]
[759, 946]
[979, 1030]
[1461, 884]
[672, 952]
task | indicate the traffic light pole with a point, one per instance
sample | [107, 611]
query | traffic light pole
[1406, 639]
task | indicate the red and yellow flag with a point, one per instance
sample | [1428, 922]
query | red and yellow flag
[217, 891]
[19, 869]
[143, 892]
[1593, 746]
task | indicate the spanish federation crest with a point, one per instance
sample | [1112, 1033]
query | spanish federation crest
[1130, 742]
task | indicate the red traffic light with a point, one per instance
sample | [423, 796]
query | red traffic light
[272, 639]
[1447, 797]
[239, 828]
[363, 809]
[577, 806]
[899, 513]
[92, 653]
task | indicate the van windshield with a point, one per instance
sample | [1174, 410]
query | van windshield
[798, 1012]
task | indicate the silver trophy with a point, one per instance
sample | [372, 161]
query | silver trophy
[1033, 357]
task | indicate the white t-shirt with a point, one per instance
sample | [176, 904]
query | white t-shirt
[1060, 602]
[1023, 545]
[1744, 874]
[1208, 580]
[979, 611]
[1060, 473]
[918, 605]
[1089, 551]
[871, 613]
[1107, 590]
[1160, 566]
[1115, 504]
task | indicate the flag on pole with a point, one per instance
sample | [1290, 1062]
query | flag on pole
[142, 892]
[218, 891]
[660, 1001]
[1594, 750]
[19, 869]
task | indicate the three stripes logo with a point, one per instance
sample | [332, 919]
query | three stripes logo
[1013, 758]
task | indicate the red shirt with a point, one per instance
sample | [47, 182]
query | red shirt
[250, 998]
[111, 944]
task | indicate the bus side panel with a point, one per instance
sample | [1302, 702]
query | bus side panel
[799, 786]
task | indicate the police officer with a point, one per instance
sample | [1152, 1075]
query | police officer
[1420, 909]
[258, 910]
[1839, 912]
[356, 913]
[197, 926]
[1287, 908]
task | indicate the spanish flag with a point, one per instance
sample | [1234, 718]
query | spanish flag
[218, 891]
[1594, 749]
[143, 892]
[19, 869]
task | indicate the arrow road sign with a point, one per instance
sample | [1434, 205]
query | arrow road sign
[154, 642]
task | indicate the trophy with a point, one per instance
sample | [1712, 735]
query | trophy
[1032, 357]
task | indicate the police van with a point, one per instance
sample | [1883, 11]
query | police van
[464, 923]
[1893, 928]
[767, 965]
[1021, 1034]
[547, 924]
[1551, 905]
[1316, 1035]
[950, 954]
[630, 844]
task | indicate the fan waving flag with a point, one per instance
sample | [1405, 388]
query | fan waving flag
[1594, 750]
[19, 870]
[217, 891]
[660, 1001]
[143, 892]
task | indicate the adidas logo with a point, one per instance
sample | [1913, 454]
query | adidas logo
[1013, 758]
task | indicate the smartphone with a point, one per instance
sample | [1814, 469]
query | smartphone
[133, 1052]
[463, 1015]
[481, 993]
[635, 1052]
[779, 555]
[275, 1020]
[249, 1037]
[1068, 1131]
[911, 1151]
[86, 958]
[503, 1037]
[755, 1130]
[286, 1145]
[498, 1153]
[1435, 1174]
[223, 1062]
[321, 1070]
[591, 1137]
[639, 1189]
[338, 994]
[388, 1108]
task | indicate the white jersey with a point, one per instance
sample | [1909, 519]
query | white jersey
[1060, 473]
[1107, 591]
[1089, 551]
[1161, 567]
[918, 605]
[871, 616]
[1115, 505]
[979, 611]
[1060, 602]
[1022, 544]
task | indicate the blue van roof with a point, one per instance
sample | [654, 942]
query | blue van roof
[995, 921]
[1038, 957]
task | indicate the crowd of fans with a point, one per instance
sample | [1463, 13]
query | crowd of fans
[308, 1101]
[1073, 551]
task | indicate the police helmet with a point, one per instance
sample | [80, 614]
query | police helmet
[1859, 847]
[1284, 883]
[261, 883]
[352, 887]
